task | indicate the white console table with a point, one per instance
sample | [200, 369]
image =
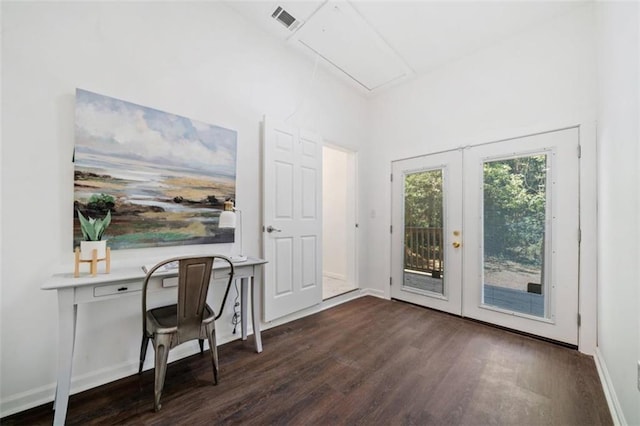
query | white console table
[128, 281]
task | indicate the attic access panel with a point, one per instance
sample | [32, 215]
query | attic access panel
[341, 36]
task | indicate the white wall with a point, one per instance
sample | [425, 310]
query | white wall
[334, 218]
[540, 80]
[618, 203]
[196, 59]
[202, 61]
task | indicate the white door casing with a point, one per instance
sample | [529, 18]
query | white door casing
[292, 219]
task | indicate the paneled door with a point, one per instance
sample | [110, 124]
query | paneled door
[491, 232]
[292, 219]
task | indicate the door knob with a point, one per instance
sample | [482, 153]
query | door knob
[272, 229]
[456, 244]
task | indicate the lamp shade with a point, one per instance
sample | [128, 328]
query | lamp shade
[227, 219]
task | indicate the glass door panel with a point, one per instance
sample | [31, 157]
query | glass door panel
[423, 242]
[514, 229]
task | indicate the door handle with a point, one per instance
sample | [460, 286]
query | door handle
[455, 244]
[271, 229]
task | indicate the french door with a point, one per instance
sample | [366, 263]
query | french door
[426, 231]
[491, 232]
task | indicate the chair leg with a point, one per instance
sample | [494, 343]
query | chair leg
[213, 348]
[143, 350]
[162, 344]
[201, 342]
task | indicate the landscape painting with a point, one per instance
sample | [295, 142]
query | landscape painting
[163, 177]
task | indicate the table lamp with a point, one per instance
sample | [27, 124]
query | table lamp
[228, 221]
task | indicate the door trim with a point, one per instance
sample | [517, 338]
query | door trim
[504, 139]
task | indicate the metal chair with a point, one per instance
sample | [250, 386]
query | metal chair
[191, 318]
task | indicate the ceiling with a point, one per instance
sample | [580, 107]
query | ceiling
[379, 44]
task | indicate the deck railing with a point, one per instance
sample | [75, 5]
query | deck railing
[423, 250]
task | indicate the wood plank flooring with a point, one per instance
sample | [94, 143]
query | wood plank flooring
[366, 362]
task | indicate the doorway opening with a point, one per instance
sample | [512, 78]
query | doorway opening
[338, 221]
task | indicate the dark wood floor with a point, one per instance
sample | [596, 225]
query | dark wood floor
[369, 362]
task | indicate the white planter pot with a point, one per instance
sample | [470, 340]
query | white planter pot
[87, 247]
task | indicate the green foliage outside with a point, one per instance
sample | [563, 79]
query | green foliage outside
[423, 199]
[514, 206]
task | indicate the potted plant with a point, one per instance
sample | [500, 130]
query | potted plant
[92, 232]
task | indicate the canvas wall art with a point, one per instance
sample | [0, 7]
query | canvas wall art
[163, 177]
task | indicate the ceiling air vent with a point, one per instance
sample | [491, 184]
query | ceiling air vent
[285, 18]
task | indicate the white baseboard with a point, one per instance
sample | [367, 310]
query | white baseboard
[25, 400]
[374, 292]
[45, 394]
[609, 391]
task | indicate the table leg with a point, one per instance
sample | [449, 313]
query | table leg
[244, 287]
[256, 287]
[67, 314]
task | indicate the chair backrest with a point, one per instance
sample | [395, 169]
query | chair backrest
[194, 276]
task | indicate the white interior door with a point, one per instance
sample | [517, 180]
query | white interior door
[508, 237]
[426, 258]
[292, 219]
